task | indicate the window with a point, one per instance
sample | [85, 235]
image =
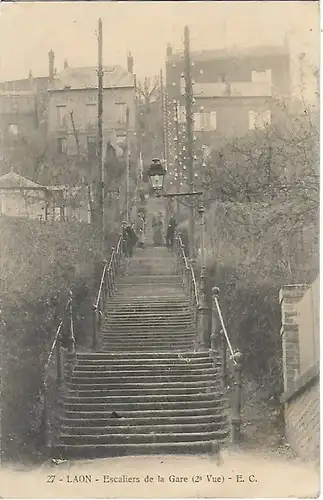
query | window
[92, 114]
[121, 112]
[61, 145]
[182, 85]
[205, 121]
[198, 121]
[91, 147]
[13, 128]
[61, 116]
[261, 76]
[259, 120]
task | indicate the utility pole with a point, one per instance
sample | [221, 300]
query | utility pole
[189, 134]
[127, 165]
[163, 113]
[178, 160]
[101, 221]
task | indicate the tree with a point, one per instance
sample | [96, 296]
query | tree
[150, 119]
[262, 200]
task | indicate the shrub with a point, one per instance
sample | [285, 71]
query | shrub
[38, 262]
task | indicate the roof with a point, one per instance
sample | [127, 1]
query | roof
[230, 52]
[13, 180]
[83, 78]
[39, 83]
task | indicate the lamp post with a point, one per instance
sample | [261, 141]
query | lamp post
[204, 308]
[156, 175]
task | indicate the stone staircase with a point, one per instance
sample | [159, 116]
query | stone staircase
[147, 391]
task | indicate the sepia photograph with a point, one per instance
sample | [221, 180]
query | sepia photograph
[159, 249]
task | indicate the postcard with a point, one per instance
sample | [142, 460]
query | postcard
[159, 262]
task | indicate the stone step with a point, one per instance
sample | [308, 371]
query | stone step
[194, 420]
[132, 449]
[117, 345]
[109, 346]
[140, 336]
[129, 279]
[134, 332]
[145, 390]
[154, 387]
[153, 271]
[105, 378]
[123, 428]
[148, 370]
[149, 325]
[144, 438]
[136, 413]
[141, 293]
[141, 398]
[149, 315]
[134, 356]
[152, 373]
[151, 302]
[122, 406]
[148, 363]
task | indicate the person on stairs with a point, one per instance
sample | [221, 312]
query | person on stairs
[140, 231]
[130, 239]
[170, 233]
[157, 225]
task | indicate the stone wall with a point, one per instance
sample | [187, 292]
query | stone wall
[302, 417]
[300, 343]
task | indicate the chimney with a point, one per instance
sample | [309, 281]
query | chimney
[51, 57]
[65, 64]
[169, 51]
[130, 63]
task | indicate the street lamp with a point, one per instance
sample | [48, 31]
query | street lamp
[156, 175]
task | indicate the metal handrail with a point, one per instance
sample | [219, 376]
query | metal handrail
[58, 332]
[56, 338]
[44, 392]
[107, 286]
[196, 295]
[220, 342]
[216, 300]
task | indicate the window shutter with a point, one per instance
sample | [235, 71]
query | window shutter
[213, 120]
[197, 122]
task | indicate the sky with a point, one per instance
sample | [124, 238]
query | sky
[29, 30]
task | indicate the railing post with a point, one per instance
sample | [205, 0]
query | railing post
[94, 326]
[215, 319]
[110, 281]
[224, 364]
[204, 333]
[45, 416]
[236, 407]
[212, 349]
[103, 286]
[59, 365]
[71, 338]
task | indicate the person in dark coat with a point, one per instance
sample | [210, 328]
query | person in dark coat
[170, 233]
[157, 225]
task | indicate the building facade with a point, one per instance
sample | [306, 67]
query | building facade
[23, 106]
[73, 108]
[234, 91]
